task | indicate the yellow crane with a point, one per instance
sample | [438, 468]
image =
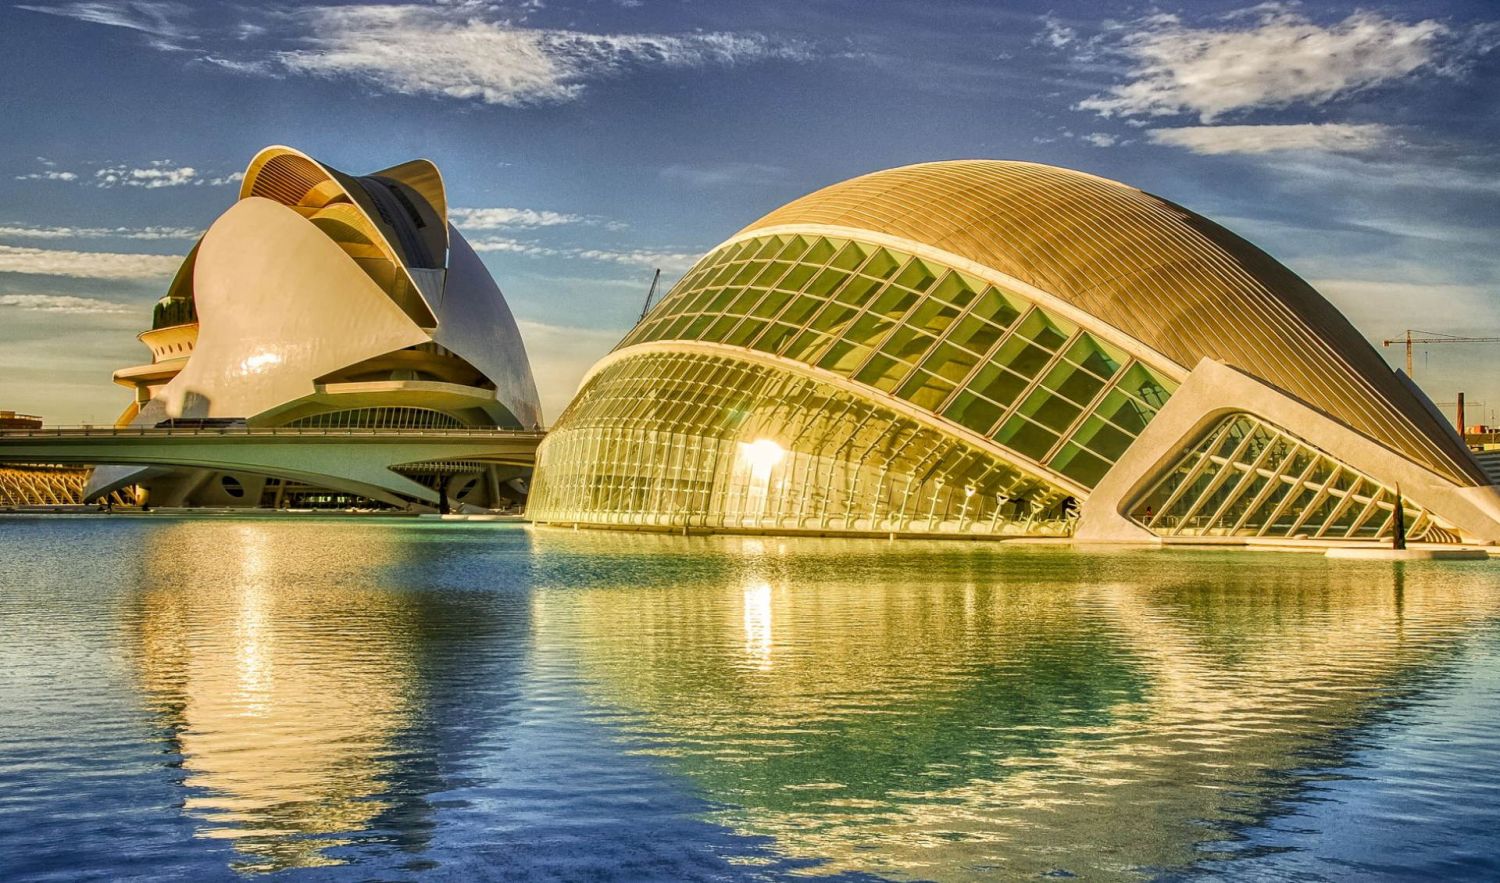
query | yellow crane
[1429, 337]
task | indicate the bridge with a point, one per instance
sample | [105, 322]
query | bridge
[355, 461]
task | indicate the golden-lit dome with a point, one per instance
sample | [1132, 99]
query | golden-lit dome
[1170, 278]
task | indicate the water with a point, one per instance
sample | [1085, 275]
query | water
[223, 698]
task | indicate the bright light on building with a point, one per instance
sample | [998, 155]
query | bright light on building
[763, 455]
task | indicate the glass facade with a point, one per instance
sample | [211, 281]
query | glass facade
[982, 358]
[692, 440]
[1246, 477]
[839, 385]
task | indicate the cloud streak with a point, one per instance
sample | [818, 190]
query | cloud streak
[454, 53]
[62, 303]
[1313, 137]
[156, 19]
[153, 175]
[500, 218]
[667, 261]
[26, 231]
[86, 264]
[1282, 59]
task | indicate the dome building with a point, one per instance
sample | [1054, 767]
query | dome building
[986, 348]
[327, 300]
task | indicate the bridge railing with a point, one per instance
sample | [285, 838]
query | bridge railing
[58, 432]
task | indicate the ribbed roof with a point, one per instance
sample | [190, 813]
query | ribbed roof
[1164, 275]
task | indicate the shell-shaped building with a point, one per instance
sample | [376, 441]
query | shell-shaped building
[1000, 348]
[322, 299]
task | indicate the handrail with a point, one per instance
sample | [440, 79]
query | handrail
[262, 431]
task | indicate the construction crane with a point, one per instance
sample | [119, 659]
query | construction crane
[646, 307]
[1429, 337]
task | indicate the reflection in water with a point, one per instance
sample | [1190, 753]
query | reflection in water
[293, 685]
[355, 700]
[933, 711]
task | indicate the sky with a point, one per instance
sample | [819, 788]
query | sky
[586, 142]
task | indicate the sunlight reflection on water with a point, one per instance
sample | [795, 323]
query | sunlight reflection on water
[205, 697]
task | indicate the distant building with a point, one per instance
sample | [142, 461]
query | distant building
[1003, 348]
[327, 300]
[12, 420]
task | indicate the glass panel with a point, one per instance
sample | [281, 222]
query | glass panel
[926, 390]
[771, 304]
[1093, 356]
[997, 308]
[1022, 356]
[978, 414]
[1103, 439]
[950, 362]
[997, 384]
[844, 356]
[849, 257]
[882, 372]
[932, 316]
[1050, 410]
[1026, 437]
[975, 334]
[955, 289]
[883, 263]
[907, 344]
[1080, 465]
[917, 276]
[797, 277]
[857, 291]
[832, 318]
[826, 282]
[893, 302]
[1076, 384]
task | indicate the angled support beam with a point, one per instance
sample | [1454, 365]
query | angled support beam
[1214, 390]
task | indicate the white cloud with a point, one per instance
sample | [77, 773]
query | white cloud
[61, 303]
[1055, 33]
[48, 175]
[451, 52]
[1099, 139]
[1282, 59]
[1316, 137]
[667, 261]
[155, 18]
[26, 231]
[159, 173]
[512, 246]
[152, 175]
[496, 218]
[86, 264]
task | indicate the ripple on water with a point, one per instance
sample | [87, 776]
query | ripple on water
[352, 699]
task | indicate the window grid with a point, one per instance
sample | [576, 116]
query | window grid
[658, 440]
[985, 359]
[1247, 477]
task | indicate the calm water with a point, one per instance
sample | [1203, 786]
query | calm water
[353, 700]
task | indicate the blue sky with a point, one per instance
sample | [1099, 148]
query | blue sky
[588, 142]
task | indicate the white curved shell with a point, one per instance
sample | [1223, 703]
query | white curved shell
[279, 305]
[475, 323]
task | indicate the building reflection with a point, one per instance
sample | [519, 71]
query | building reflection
[300, 691]
[943, 711]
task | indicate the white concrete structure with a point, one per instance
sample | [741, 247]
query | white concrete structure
[325, 300]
